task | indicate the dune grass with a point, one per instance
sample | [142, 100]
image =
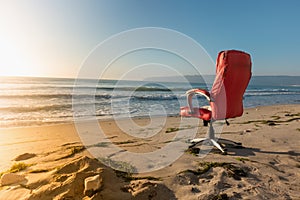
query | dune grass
[174, 129]
[242, 159]
[16, 167]
[232, 170]
[275, 121]
[130, 177]
[125, 142]
[122, 166]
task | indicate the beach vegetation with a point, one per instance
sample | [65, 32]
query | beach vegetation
[222, 196]
[130, 177]
[100, 144]
[292, 115]
[19, 166]
[170, 130]
[275, 117]
[232, 170]
[271, 122]
[174, 140]
[16, 167]
[69, 143]
[174, 129]
[256, 125]
[242, 159]
[76, 149]
[125, 142]
[120, 165]
[193, 151]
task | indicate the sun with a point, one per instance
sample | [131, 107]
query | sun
[13, 61]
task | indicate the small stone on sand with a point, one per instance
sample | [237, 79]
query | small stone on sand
[92, 184]
[10, 178]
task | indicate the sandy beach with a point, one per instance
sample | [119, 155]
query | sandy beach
[50, 162]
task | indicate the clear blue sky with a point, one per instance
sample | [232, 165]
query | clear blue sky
[53, 37]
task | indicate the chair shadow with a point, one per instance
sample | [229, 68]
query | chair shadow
[249, 151]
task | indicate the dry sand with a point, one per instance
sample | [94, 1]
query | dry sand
[50, 162]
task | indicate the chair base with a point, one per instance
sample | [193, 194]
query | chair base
[216, 143]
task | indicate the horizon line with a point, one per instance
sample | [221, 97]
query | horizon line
[59, 77]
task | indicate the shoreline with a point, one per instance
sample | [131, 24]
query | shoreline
[267, 166]
[42, 124]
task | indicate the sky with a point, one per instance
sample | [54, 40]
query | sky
[54, 38]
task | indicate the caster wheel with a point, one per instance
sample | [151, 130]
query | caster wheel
[225, 152]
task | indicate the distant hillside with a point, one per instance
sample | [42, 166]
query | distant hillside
[255, 80]
[190, 78]
[275, 80]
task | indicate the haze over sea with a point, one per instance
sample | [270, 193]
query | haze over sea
[26, 101]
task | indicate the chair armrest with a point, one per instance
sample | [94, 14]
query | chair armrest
[202, 92]
[192, 92]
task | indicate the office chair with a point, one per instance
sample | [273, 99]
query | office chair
[233, 73]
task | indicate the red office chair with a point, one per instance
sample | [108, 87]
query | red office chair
[233, 73]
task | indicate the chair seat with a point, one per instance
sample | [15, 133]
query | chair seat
[202, 113]
[233, 73]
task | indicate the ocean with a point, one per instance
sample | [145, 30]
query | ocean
[26, 101]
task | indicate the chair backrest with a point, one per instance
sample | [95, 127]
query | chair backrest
[233, 73]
